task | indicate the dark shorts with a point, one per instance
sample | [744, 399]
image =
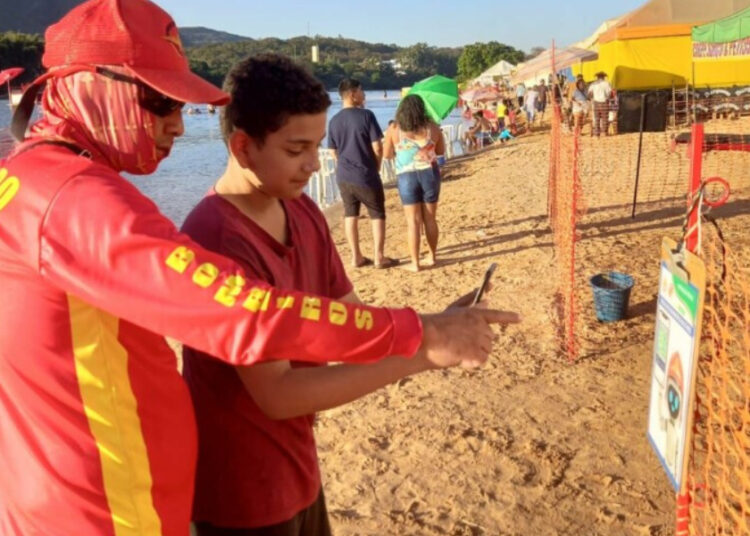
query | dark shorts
[422, 186]
[520, 102]
[312, 521]
[354, 195]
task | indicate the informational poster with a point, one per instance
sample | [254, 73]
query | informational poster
[677, 335]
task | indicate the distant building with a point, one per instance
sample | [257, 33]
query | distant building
[396, 66]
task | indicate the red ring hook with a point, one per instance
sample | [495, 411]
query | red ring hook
[724, 196]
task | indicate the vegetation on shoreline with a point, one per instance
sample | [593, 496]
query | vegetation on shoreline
[377, 65]
[21, 50]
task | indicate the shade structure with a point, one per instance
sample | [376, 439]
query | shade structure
[732, 29]
[590, 43]
[480, 94]
[440, 95]
[541, 66]
[721, 51]
[652, 47]
[648, 63]
[9, 74]
[665, 18]
[501, 69]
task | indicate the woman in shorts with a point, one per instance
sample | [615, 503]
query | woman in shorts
[580, 104]
[415, 141]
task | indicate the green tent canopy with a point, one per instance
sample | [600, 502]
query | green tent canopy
[732, 28]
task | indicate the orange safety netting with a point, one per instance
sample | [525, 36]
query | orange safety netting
[719, 470]
[718, 498]
[592, 200]
[563, 202]
[593, 197]
[601, 193]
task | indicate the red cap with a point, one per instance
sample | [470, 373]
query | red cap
[136, 34]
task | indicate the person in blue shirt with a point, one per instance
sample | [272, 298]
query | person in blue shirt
[356, 139]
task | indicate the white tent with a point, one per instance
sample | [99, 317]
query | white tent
[540, 67]
[501, 69]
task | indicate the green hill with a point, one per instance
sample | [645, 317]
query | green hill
[32, 16]
[377, 65]
[195, 36]
[212, 53]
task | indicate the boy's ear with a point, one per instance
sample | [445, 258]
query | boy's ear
[239, 146]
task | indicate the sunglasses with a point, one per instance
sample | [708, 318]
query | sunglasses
[148, 98]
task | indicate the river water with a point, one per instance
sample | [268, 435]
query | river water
[199, 157]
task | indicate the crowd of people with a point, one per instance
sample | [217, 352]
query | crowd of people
[496, 123]
[101, 433]
[523, 108]
[580, 103]
[415, 143]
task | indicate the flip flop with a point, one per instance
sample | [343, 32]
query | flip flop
[387, 263]
[364, 262]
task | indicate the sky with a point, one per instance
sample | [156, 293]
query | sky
[522, 24]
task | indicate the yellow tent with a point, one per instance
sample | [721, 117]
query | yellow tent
[721, 50]
[651, 47]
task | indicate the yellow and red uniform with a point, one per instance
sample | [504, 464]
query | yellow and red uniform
[98, 434]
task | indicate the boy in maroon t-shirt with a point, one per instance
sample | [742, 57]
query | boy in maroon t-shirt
[258, 469]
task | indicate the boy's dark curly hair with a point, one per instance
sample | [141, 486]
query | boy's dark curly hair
[411, 114]
[266, 90]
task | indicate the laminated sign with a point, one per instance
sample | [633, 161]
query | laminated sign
[679, 311]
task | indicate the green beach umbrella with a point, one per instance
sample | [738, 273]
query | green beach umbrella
[440, 95]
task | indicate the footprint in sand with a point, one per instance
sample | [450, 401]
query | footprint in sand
[380, 442]
[542, 464]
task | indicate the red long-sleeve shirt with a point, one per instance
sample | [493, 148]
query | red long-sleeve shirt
[97, 434]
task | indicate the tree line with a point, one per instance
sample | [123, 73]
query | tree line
[377, 66]
[21, 50]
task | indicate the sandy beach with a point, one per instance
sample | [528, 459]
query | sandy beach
[531, 444]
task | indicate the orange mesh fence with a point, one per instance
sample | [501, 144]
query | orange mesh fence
[718, 501]
[719, 469]
[592, 195]
[593, 198]
[564, 199]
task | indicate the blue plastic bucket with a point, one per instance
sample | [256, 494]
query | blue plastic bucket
[611, 295]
